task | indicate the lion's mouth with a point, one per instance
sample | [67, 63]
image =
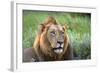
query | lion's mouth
[58, 50]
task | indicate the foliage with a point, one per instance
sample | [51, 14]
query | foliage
[79, 29]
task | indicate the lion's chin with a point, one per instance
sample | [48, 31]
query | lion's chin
[58, 50]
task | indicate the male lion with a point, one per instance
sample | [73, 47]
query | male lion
[51, 44]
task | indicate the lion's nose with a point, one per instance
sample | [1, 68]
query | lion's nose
[60, 42]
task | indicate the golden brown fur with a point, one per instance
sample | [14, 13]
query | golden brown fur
[44, 44]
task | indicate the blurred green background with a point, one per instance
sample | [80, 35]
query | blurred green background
[79, 29]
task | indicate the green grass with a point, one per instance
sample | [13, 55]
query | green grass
[79, 29]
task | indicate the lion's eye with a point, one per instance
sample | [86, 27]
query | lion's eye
[53, 33]
[62, 32]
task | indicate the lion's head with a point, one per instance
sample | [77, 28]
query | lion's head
[52, 41]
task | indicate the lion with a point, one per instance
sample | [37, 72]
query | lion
[51, 44]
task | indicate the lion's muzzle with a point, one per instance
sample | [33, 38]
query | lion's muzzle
[59, 48]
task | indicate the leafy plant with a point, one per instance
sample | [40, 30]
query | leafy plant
[79, 29]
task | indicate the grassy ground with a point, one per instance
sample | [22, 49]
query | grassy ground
[79, 29]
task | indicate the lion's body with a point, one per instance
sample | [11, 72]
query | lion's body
[52, 43]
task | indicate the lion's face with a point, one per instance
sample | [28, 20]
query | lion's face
[56, 36]
[52, 42]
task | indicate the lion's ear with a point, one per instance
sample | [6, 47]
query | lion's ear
[65, 27]
[42, 27]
